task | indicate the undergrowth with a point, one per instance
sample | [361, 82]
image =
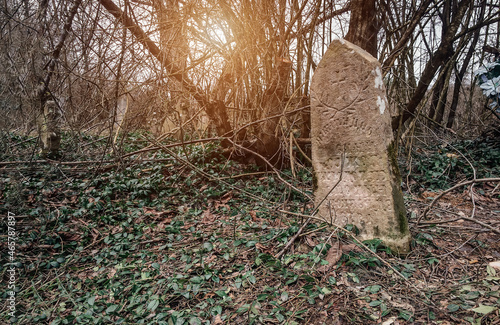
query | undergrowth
[159, 240]
[438, 167]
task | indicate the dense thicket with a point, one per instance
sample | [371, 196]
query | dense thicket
[238, 70]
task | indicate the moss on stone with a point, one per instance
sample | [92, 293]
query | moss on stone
[393, 158]
[400, 210]
[399, 205]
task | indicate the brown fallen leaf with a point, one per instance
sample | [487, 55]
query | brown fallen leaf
[428, 194]
[332, 257]
[263, 249]
[226, 197]
[208, 217]
[69, 236]
[495, 265]
[351, 248]
[334, 254]
[111, 273]
[211, 259]
[310, 241]
[217, 320]
[253, 214]
[155, 213]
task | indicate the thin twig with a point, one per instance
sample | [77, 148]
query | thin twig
[353, 236]
[301, 151]
[482, 224]
[172, 145]
[313, 231]
[312, 216]
[244, 175]
[472, 185]
[75, 163]
[272, 167]
[292, 240]
[480, 180]
[437, 222]
[202, 173]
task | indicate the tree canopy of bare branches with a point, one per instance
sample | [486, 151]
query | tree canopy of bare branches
[239, 69]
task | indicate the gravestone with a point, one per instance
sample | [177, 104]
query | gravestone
[352, 141]
[49, 130]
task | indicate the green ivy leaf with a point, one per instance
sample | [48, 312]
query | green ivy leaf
[406, 315]
[217, 310]
[373, 288]
[91, 301]
[153, 304]
[111, 309]
[208, 246]
[243, 309]
[491, 271]
[196, 280]
[483, 309]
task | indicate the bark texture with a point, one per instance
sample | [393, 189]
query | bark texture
[363, 26]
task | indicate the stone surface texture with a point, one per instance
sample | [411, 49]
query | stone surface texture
[352, 140]
[49, 130]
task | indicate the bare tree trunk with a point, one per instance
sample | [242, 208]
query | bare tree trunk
[441, 104]
[438, 98]
[43, 92]
[440, 93]
[439, 57]
[216, 111]
[269, 142]
[460, 75]
[48, 116]
[363, 26]
[173, 43]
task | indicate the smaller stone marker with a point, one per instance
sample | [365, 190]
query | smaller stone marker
[352, 138]
[49, 131]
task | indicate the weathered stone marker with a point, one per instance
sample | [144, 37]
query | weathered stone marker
[352, 139]
[49, 130]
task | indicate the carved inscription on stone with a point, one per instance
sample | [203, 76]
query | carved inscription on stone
[352, 138]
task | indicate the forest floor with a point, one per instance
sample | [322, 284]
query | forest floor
[187, 237]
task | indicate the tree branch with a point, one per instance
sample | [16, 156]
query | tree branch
[215, 110]
[50, 66]
[480, 180]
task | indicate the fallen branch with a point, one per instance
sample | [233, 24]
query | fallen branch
[292, 240]
[480, 180]
[75, 163]
[24, 141]
[436, 222]
[271, 166]
[353, 236]
[55, 162]
[203, 173]
[244, 175]
[172, 145]
[312, 216]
